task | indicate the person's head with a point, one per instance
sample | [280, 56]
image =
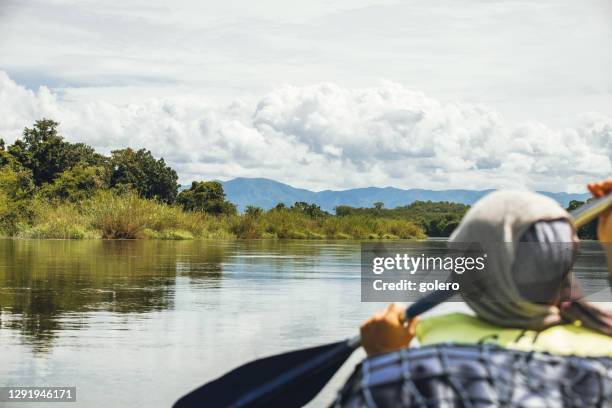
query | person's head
[530, 246]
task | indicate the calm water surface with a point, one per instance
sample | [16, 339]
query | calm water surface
[139, 323]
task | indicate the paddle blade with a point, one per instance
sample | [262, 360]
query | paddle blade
[288, 380]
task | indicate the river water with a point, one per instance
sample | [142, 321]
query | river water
[139, 323]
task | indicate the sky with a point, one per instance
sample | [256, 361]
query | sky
[324, 94]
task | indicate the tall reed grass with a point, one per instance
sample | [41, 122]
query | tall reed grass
[110, 215]
[290, 224]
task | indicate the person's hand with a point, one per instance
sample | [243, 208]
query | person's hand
[604, 227]
[387, 331]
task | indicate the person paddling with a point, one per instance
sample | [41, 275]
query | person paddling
[537, 305]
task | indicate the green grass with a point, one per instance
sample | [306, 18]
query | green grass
[110, 215]
[168, 234]
[58, 230]
[290, 224]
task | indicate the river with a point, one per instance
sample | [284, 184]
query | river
[139, 323]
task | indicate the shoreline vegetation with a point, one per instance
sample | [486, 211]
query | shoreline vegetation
[54, 189]
[111, 215]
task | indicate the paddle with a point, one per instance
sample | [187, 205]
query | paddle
[285, 380]
[589, 211]
[292, 379]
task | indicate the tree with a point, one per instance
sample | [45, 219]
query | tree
[77, 183]
[44, 152]
[16, 188]
[312, 210]
[206, 196]
[253, 211]
[379, 205]
[6, 159]
[140, 171]
[280, 207]
[343, 210]
[16, 182]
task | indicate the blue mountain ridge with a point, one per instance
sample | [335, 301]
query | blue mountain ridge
[266, 193]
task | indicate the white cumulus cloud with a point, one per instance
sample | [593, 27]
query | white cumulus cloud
[327, 136]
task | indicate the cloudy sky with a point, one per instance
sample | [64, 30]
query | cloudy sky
[322, 93]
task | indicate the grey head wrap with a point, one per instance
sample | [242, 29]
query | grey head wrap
[530, 246]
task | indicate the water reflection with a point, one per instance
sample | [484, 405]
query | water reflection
[40, 281]
[43, 281]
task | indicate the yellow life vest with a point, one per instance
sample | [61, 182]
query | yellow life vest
[460, 328]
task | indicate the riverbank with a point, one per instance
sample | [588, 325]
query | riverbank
[54, 189]
[110, 215]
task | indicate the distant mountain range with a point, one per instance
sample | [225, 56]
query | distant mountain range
[266, 193]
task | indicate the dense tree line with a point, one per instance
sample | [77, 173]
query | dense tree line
[58, 167]
[42, 162]
[438, 219]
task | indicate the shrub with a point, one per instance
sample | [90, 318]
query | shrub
[167, 234]
[253, 211]
[76, 184]
[58, 229]
[206, 196]
[15, 190]
[120, 216]
[244, 227]
[54, 220]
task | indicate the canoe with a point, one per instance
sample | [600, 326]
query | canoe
[480, 376]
